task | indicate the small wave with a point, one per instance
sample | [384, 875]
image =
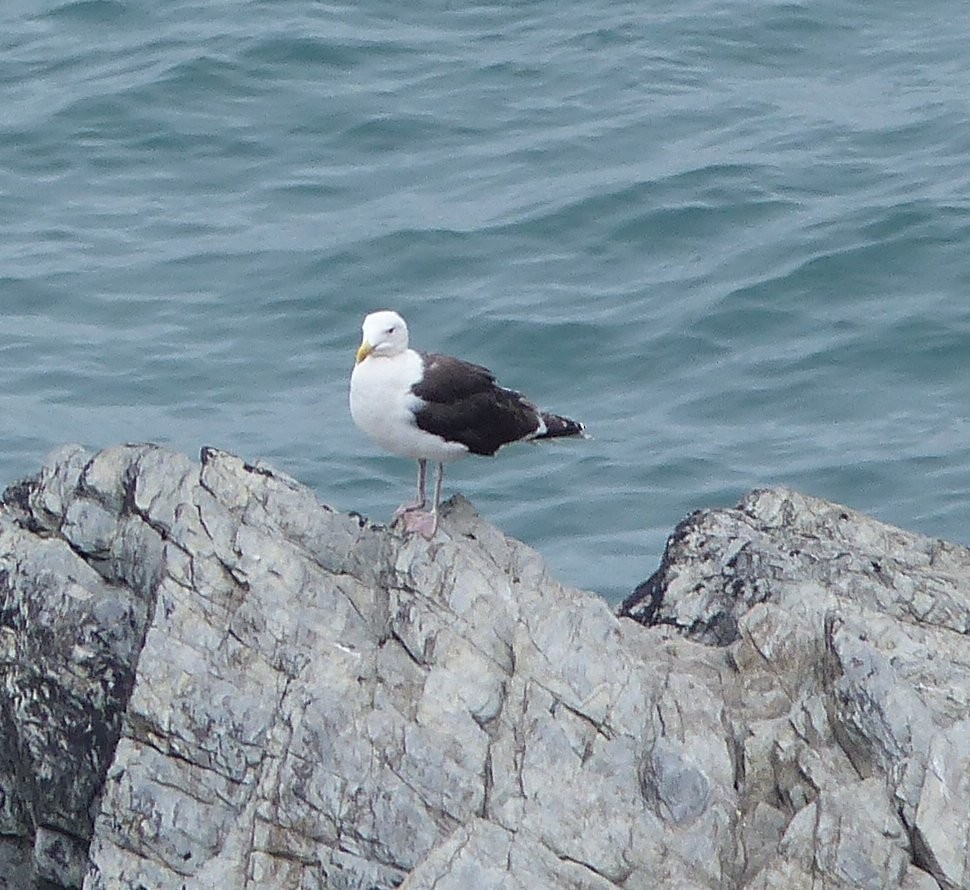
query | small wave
[93, 12]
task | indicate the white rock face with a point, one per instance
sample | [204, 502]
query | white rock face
[212, 681]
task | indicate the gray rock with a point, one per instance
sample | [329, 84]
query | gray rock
[211, 681]
[849, 641]
[69, 640]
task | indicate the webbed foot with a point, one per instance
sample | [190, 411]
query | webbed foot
[422, 523]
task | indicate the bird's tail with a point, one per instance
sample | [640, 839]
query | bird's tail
[557, 426]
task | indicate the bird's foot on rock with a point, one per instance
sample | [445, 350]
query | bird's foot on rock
[422, 523]
[405, 509]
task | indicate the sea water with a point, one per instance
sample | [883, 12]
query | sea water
[731, 238]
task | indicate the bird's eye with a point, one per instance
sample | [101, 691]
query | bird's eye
[391, 330]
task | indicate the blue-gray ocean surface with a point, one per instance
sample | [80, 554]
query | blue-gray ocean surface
[733, 238]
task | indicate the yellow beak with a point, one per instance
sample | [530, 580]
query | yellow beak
[365, 350]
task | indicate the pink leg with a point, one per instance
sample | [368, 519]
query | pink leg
[405, 509]
[423, 523]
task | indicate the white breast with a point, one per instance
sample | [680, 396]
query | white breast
[382, 405]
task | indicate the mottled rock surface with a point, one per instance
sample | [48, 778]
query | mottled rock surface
[850, 694]
[212, 681]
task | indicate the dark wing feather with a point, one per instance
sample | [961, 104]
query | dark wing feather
[464, 404]
[447, 379]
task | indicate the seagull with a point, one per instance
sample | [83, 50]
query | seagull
[432, 407]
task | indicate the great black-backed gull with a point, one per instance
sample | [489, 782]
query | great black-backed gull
[434, 407]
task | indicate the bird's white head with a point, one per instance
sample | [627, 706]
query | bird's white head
[385, 334]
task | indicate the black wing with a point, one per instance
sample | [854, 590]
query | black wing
[464, 404]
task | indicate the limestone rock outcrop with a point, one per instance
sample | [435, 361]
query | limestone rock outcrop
[210, 680]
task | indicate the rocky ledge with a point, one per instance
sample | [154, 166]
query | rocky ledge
[212, 681]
